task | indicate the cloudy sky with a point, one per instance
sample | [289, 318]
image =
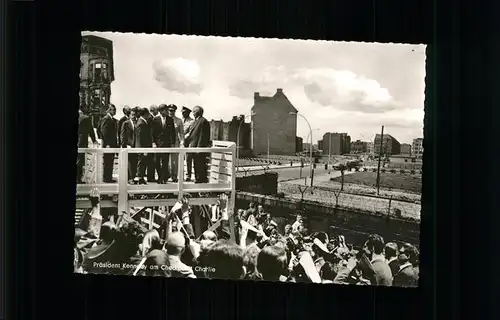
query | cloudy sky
[338, 86]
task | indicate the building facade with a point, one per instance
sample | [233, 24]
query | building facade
[228, 131]
[274, 125]
[96, 76]
[418, 147]
[320, 145]
[217, 130]
[359, 146]
[336, 143]
[371, 150]
[298, 144]
[389, 145]
[406, 149]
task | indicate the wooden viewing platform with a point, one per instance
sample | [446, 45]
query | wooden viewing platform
[125, 196]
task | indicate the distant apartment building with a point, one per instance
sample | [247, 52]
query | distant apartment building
[370, 148]
[320, 144]
[406, 149]
[389, 145]
[306, 146]
[336, 143]
[274, 123]
[418, 147]
[216, 130]
[298, 144]
[359, 146]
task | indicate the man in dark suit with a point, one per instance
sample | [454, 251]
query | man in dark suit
[153, 110]
[407, 275]
[143, 139]
[127, 139]
[151, 167]
[126, 116]
[163, 137]
[85, 130]
[109, 130]
[199, 137]
[391, 253]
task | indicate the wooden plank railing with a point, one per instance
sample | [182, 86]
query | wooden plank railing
[221, 171]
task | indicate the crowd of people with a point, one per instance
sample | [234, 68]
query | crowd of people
[250, 248]
[156, 127]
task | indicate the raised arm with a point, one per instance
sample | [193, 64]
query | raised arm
[181, 132]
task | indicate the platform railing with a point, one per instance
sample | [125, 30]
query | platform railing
[221, 175]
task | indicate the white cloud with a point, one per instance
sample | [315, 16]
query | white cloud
[338, 86]
[178, 75]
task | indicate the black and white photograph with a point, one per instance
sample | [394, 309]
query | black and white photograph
[249, 159]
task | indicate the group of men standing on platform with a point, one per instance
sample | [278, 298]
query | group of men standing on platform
[156, 127]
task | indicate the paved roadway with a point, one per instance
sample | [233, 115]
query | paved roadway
[292, 173]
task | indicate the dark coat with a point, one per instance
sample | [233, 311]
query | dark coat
[119, 128]
[406, 277]
[109, 131]
[85, 130]
[163, 135]
[127, 134]
[394, 265]
[199, 136]
[143, 134]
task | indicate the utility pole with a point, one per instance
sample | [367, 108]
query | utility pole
[268, 147]
[329, 149]
[379, 158]
[311, 168]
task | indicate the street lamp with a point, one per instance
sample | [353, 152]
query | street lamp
[317, 129]
[310, 149]
[238, 138]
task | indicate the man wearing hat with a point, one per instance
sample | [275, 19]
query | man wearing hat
[187, 122]
[179, 141]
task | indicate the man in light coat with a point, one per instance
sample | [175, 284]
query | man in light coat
[188, 123]
[178, 142]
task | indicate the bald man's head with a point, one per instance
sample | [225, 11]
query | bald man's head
[209, 235]
[197, 111]
[175, 243]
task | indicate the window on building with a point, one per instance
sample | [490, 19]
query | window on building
[104, 70]
[97, 71]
